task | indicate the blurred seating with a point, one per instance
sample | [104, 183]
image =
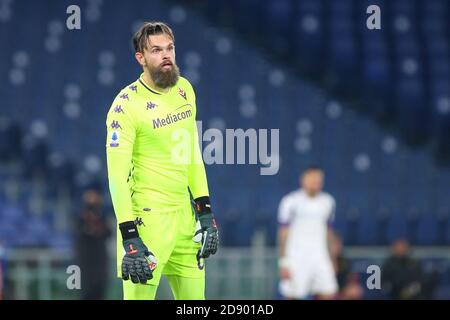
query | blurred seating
[59, 85]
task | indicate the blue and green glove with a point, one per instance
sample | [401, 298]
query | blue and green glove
[206, 229]
[138, 262]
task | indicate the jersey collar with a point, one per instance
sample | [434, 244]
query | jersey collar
[147, 86]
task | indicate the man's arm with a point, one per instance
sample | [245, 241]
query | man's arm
[198, 185]
[331, 235]
[138, 262]
[121, 133]
[284, 219]
[283, 233]
[331, 238]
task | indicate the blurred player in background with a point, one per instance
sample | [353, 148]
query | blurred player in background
[349, 287]
[150, 120]
[404, 278]
[304, 220]
[91, 246]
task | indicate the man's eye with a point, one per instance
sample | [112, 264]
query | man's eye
[156, 50]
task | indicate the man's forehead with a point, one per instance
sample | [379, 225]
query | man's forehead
[160, 40]
[317, 173]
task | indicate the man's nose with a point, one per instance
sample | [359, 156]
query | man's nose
[166, 54]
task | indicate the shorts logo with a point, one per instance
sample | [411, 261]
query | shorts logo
[114, 139]
[182, 93]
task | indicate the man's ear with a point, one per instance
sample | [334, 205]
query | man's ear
[140, 58]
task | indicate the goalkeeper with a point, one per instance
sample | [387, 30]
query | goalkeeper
[154, 170]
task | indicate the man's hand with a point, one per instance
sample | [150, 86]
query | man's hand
[284, 270]
[210, 235]
[285, 273]
[138, 262]
[207, 231]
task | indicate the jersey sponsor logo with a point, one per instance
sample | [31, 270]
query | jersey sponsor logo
[118, 109]
[115, 125]
[133, 88]
[124, 96]
[171, 118]
[114, 139]
[182, 93]
[151, 105]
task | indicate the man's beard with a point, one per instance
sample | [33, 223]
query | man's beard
[164, 79]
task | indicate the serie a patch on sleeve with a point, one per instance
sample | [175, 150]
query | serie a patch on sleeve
[114, 140]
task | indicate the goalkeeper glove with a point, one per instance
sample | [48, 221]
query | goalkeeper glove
[206, 232]
[138, 262]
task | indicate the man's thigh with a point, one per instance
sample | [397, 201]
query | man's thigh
[183, 260]
[187, 288]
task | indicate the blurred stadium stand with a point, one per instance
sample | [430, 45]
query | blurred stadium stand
[371, 107]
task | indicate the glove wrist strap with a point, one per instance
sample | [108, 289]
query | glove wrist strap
[128, 230]
[203, 205]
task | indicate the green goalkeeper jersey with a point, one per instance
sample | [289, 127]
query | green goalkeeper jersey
[152, 150]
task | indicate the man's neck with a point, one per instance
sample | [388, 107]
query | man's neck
[311, 194]
[148, 80]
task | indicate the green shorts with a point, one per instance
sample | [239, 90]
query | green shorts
[169, 236]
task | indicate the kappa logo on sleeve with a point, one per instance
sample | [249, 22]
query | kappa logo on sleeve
[114, 139]
[118, 109]
[115, 125]
[151, 105]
